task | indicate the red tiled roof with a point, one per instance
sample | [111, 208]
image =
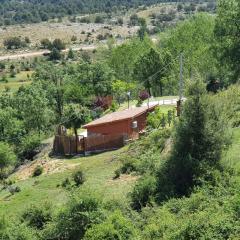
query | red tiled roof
[118, 116]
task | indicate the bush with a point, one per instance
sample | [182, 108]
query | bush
[99, 19]
[7, 158]
[17, 231]
[13, 42]
[79, 178]
[14, 189]
[72, 222]
[37, 217]
[85, 20]
[74, 38]
[55, 54]
[143, 95]
[114, 107]
[117, 174]
[58, 44]
[66, 182]
[143, 192]
[129, 165]
[37, 171]
[46, 44]
[116, 226]
[29, 145]
[156, 119]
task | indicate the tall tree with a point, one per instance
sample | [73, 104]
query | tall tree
[32, 106]
[227, 31]
[143, 28]
[194, 39]
[51, 79]
[148, 72]
[75, 116]
[123, 57]
[198, 142]
[7, 157]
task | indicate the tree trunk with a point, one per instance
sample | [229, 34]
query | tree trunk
[161, 89]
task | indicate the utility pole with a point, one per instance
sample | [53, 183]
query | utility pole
[181, 78]
[179, 102]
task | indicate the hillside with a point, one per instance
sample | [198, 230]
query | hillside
[176, 172]
[99, 172]
[26, 11]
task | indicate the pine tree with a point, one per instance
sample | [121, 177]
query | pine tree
[199, 139]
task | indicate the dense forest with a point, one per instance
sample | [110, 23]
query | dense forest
[186, 169]
[32, 11]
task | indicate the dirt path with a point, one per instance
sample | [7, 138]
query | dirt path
[41, 53]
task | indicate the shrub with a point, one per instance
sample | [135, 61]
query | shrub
[12, 74]
[143, 95]
[65, 183]
[37, 217]
[29, 145]
[72, 222]
[129, 165]
[7, 158]
[117, 174]
[37, 171]
[99, 19]
[13, 42]
[46, 44]
[139, 103]
[156, 119]
[85, 20]
[55, 54]
[143, 192]
[79, 178]
[58, 44]
[2, 66]
[120, 21]
[17, 231]
[14, 189]
[114, 107]
[116, 226]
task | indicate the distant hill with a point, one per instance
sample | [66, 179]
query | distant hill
[31, 11]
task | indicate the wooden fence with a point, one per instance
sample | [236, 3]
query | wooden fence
[100, 143]
[69, 145]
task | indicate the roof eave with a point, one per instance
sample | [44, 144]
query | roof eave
[119, 120]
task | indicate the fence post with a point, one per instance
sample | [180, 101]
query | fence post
[84, 147]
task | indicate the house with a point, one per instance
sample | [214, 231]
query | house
[107, 133]
[128, 123]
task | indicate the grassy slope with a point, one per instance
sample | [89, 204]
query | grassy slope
[231, 157]
[99, 171]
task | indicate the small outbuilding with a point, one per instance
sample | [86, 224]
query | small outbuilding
[107, 133]
[129, 122]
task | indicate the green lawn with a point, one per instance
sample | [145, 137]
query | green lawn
[20, 79]
[99, 170]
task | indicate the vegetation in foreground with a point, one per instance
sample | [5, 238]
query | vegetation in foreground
[187, 173]
[162, 195]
